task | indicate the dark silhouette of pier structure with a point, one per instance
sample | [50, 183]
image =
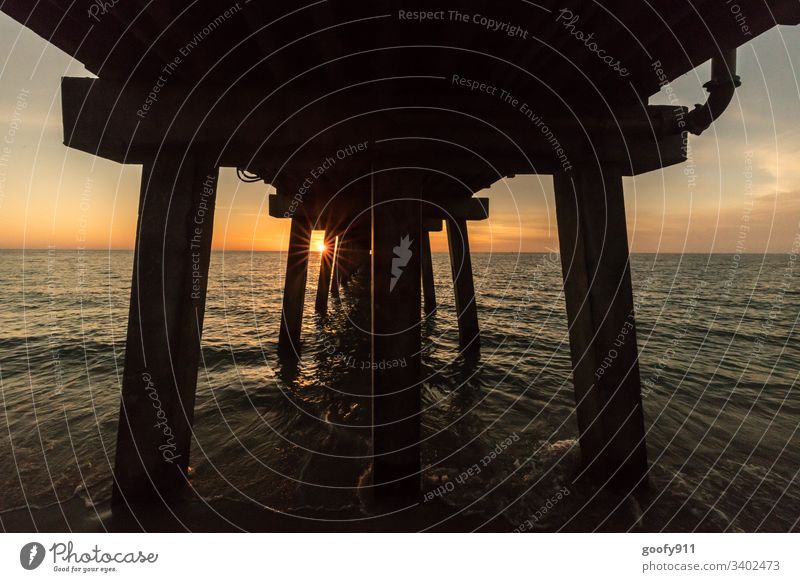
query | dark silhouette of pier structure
[377, 123]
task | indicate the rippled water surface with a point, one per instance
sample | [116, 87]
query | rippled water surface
[719, 363]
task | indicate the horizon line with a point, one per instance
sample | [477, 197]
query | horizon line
[542, 252]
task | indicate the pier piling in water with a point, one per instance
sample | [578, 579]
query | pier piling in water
[335, 268]
[597, 285]
[165, 324]
[294, 286]
[325, 268]
[428, 283]
[463, 287]
[396, 344]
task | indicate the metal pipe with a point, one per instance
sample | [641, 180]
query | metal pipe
[721, 87]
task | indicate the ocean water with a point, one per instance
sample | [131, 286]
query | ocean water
[719, 362]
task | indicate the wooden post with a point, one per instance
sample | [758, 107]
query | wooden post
[344, 261]
[428, 289]
[165, 324]
[463, 288]
[294, 291]
[335, 274]
[325, 267]
[597, 285]
[396, 345]
[358, 258]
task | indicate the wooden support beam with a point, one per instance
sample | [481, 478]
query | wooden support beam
[597, 285]
[106, 119]
[165, 324]
[325, 268]
[461, 208]
[294, 291]
[469, 337]
[431, 224]
[396, 344]
[335, 273]
[284, 204]
[428, 288]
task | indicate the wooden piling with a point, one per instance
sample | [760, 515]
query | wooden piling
[165, 324]
[396, 237]
[335, 270]
[428, 288]
[325, 268]
[463, 288]
[355, 253]
[597, 285]
[294, 292]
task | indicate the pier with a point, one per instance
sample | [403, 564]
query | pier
[378, 125]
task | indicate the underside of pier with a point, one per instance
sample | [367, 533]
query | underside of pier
[378, 123]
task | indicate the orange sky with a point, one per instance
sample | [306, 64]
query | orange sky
[745, 171]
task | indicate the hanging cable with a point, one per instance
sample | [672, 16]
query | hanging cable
[248, 177]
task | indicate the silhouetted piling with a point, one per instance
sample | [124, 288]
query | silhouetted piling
[597, 285]
[325, 268]
[294, 286]
[463, 287]
[335, 271]
[428, 285]
[396, 345]
[165, 323]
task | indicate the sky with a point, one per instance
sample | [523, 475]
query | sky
[740, 192]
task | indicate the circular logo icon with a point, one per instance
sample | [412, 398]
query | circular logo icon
[31, 555]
